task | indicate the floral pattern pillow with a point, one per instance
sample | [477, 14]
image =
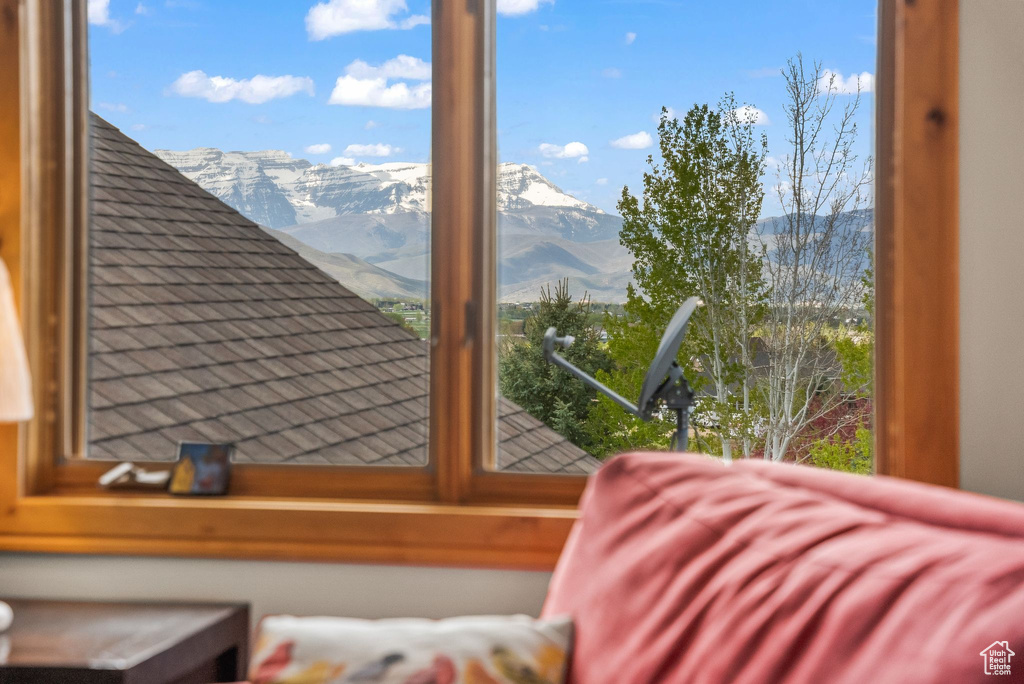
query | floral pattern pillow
[466, 650]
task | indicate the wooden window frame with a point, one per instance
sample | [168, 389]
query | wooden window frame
[456, 511]
[917, 238]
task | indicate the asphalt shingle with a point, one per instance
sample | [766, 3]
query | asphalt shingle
[205, 327]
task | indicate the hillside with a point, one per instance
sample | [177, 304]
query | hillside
[366, 280]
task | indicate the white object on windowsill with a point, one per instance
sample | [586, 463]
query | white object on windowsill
[15, 380]
[6, 616]
[128, 475]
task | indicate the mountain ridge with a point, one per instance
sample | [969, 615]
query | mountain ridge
[319, 191]
[378, 214]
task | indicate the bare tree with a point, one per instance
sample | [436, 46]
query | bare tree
[814, 254]
[748, 307]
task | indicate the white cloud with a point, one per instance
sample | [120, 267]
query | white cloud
[138, 127]
[114, 107]
[375, 92]
[367, 86]
[630, 37]
[612, 72]
[833, 81]
[634, 141]
[601, 181]
[402, 66]
[336, 17]
[414, 21]
[98, 14]
[372, 150]
[573, 150]
[255, 90]
[143, 10]
[318, 148]
[371, 124]
[343, 161]
[517, 8]
[751, 114]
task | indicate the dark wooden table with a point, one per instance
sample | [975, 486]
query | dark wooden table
[67, 642]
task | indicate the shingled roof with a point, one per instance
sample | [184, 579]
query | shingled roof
[204, 327]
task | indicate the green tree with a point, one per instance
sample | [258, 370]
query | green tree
[855, 348]
[546, 392]
[400, 320]
[689, 235]
[851, 457]
[632, 345]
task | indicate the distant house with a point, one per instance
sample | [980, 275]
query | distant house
[204, 327]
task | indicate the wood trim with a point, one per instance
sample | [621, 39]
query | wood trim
[917, 253]
[463, 220]
[10, 144]
[525, 488]
[284, 529]
[526, 558]
[44, 231]
[75, 331]
[485, 252]
[10, 194]
[316, 482]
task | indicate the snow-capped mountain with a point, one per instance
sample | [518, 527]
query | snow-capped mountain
[275, 189]
[379, 213]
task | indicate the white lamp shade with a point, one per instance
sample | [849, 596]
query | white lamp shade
[15, 380]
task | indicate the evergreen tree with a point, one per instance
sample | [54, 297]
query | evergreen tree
[546, 392]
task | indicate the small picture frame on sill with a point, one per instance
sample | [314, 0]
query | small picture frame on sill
[202, 469]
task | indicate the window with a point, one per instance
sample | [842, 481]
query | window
[300, 335]
[655, 161]
[276, 323]
[468, 498]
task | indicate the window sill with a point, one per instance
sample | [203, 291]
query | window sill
[288, 529]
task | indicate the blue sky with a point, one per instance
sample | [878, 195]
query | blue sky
[580, 82]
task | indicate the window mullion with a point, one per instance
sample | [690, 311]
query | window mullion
[462, 254]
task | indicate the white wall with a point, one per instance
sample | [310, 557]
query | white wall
[368, 591]
[992, 247]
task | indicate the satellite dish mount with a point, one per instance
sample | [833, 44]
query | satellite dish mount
[663, 386]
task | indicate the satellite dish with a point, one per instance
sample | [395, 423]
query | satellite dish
[664, 384]
[665, 358]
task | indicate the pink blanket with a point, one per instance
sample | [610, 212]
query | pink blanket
[681, 569]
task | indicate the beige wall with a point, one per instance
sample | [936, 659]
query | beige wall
[300, 588]
[992, 247]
